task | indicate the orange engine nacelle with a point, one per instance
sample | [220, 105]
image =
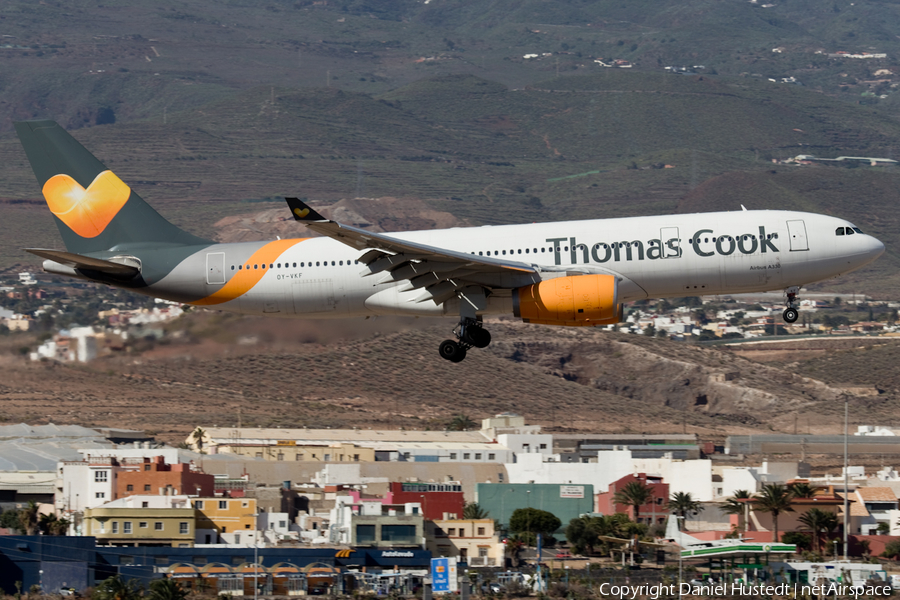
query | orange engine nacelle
[579, 300]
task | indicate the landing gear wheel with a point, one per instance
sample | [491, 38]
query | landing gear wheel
[790, 315]
[477, 336]
[452, 351]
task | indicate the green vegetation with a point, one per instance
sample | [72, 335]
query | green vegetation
[683, 504]
[774, 498]
[461, 422]
[528, 522]
[117, 588]
[634, 494]
[472, 510]
[819, 522]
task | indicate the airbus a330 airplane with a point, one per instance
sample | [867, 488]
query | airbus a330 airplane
[575, 273]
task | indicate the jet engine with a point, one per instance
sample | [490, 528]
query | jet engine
[578, 300]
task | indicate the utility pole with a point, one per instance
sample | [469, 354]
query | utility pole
[846, 486]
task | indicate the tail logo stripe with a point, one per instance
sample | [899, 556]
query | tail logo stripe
[87, 212]
[244, 280]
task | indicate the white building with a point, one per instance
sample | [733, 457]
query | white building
[86, 484]
[752, 479]
[91, 481]
[464, 452]
[539, 443]
[611, 466]
[692, 477]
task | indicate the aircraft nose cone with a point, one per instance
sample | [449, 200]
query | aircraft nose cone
[875, 248]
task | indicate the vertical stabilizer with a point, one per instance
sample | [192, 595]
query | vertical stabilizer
[678, 536]
[93, 208]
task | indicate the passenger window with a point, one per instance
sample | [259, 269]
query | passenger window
[256, 266]
[232, 267]
[520, 251]
[342, 263]
[839, 231]
[332, 263]
[240, 267]
[317, 263]
[849, 231]
[504, 253]
[295, 265]
[526, 250]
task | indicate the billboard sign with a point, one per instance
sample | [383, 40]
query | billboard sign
[571, 491]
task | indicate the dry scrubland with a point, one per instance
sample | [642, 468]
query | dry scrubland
[386, 373]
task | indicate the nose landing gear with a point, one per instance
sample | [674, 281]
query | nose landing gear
[791, 313]
[470, 334]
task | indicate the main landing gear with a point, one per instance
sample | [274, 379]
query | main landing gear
[469, 334]
[790, 313]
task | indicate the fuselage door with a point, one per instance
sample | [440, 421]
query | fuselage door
[797, 233]
[671, 244]
[215, 268]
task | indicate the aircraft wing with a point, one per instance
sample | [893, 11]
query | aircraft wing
[616, 540]
[438, 271]
[609, 538]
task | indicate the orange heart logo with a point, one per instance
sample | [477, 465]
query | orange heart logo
[87, 212]
[301, 212]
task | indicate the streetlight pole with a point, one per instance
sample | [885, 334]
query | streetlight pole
[846, 478]
[680, 572]
[256, 555]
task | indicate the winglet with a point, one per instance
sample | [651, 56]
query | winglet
[302, 212]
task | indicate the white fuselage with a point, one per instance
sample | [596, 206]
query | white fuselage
[655, 257]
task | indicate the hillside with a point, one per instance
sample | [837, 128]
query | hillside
[578, 147]
[284, 373]
[85, 63]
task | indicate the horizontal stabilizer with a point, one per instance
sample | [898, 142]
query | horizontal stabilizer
[77, 261]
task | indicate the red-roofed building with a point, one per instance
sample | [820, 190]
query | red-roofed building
[653, 512]
[155, 476]
[440, 501]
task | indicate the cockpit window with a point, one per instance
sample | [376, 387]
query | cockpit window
[849, 231]
[839, 231]
[857, 230]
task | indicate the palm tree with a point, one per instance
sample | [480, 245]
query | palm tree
[461, 422]
[196, 438]
[116, 588]
[53, 525]
[634, 494]
[776, 499]
[802, 489]
[28, 518]
[472, 510]
[735, 506]
[683, 503]
[166, 589]
[818, 522]
[512, 549]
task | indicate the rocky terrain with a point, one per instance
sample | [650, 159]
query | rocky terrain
[383, 373]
